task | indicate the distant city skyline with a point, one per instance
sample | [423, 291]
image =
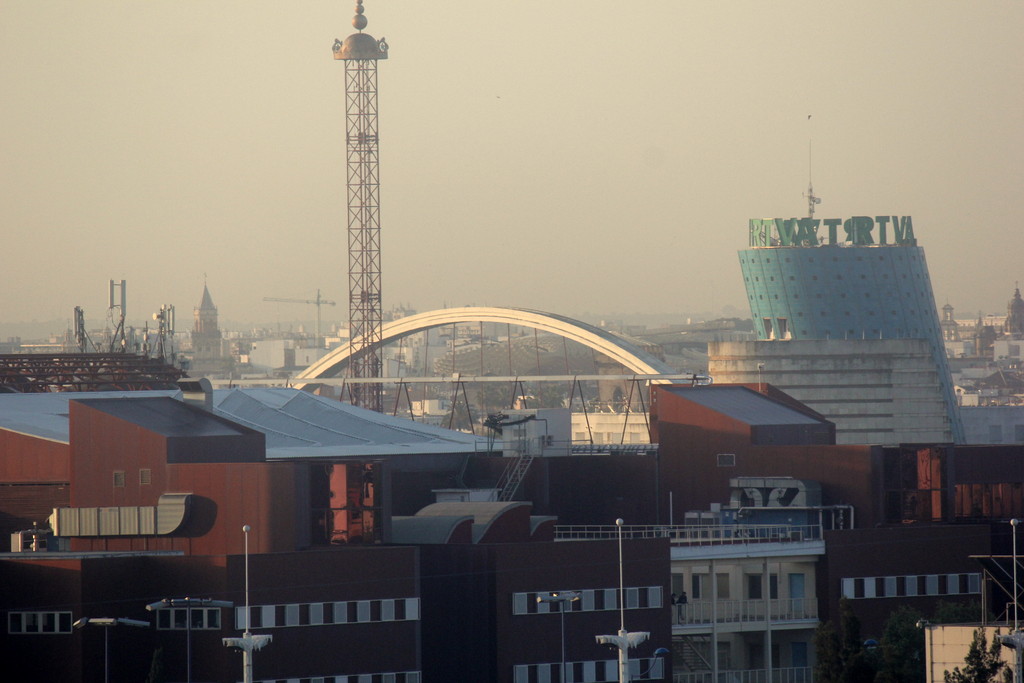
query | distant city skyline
[573, 156]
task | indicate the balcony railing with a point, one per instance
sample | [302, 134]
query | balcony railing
[740, 611]
[726, 534]
[791, 675]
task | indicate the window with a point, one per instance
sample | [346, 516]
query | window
[726, 459]
[697, 586]
[119, 479]
[145, 477]
[995, 433]
[798, 655]
[722, 586]
[754, 587]
[177, 618]
[38, 622]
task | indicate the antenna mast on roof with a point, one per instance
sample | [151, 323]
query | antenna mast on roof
[812, 200]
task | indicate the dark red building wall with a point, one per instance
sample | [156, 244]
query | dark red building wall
[225, 496]
[328, 575]
[988, 464]
[34, 476]
[691, 437]
[39, 585]
[123, 586]
[102, 444]
[28, 459]
[468, 593]
[897, 551]
[581, 489]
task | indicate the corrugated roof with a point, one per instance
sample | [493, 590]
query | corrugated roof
[164, 415]
[45, 415]
[300, 424]
[744, 405]
[296, 424]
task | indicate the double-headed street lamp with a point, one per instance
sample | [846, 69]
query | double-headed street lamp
[187, 603]
[624, 640]
[1015, 639]
[107, 623]
[248, 642]
[563, 598]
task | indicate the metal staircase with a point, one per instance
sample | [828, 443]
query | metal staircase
[515, 472]
[692, 651]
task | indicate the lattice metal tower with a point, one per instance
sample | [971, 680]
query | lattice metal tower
[360, 52]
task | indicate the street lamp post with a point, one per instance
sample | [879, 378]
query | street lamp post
[563, 598]
[187, 603]
[624, 640]
[1015, 640]
[107, 623]
[248, 642]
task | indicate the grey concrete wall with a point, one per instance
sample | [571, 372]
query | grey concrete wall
[876, 391]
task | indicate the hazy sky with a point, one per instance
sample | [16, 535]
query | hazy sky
[570, 155]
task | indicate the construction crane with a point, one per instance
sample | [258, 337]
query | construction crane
[318, 302]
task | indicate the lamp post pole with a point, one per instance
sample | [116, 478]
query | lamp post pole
[248, 642]
[564, 598]
[624, 640]
[107, 623]
[187, 602]
[1015, 640]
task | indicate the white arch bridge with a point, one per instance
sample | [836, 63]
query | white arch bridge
[616, 348]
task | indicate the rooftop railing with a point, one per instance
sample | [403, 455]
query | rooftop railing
[699, 535]
[788, 675]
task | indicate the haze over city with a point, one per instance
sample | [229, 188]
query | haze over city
[578, 157]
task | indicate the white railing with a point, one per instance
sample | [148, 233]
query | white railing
[726, 534]
[739, 611]
[792, 675]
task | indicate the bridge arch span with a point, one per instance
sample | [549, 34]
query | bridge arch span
[616, 348]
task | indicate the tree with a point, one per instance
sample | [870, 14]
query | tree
[829, 665]
[849, 631]
[902, 648]
[947, 612]
[982, 663]
[841, 657]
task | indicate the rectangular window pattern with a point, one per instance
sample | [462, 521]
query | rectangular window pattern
[593, 600]
[38, 622]
[329, 613]
[599, 671]
[176, 618]
[903, 586]
[390, 677]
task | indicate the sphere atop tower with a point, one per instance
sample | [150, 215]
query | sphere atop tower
[360, 45]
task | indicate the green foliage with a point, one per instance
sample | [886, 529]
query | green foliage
[860, 668]
[842, 657]
[849, 631]
[902, 658]
[982, 663]
[829, 665]
[957, 613]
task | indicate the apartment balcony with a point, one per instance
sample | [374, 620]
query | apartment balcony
[745, 615]
[792, 675]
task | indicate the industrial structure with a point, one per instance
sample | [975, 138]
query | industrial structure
[360, 52]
